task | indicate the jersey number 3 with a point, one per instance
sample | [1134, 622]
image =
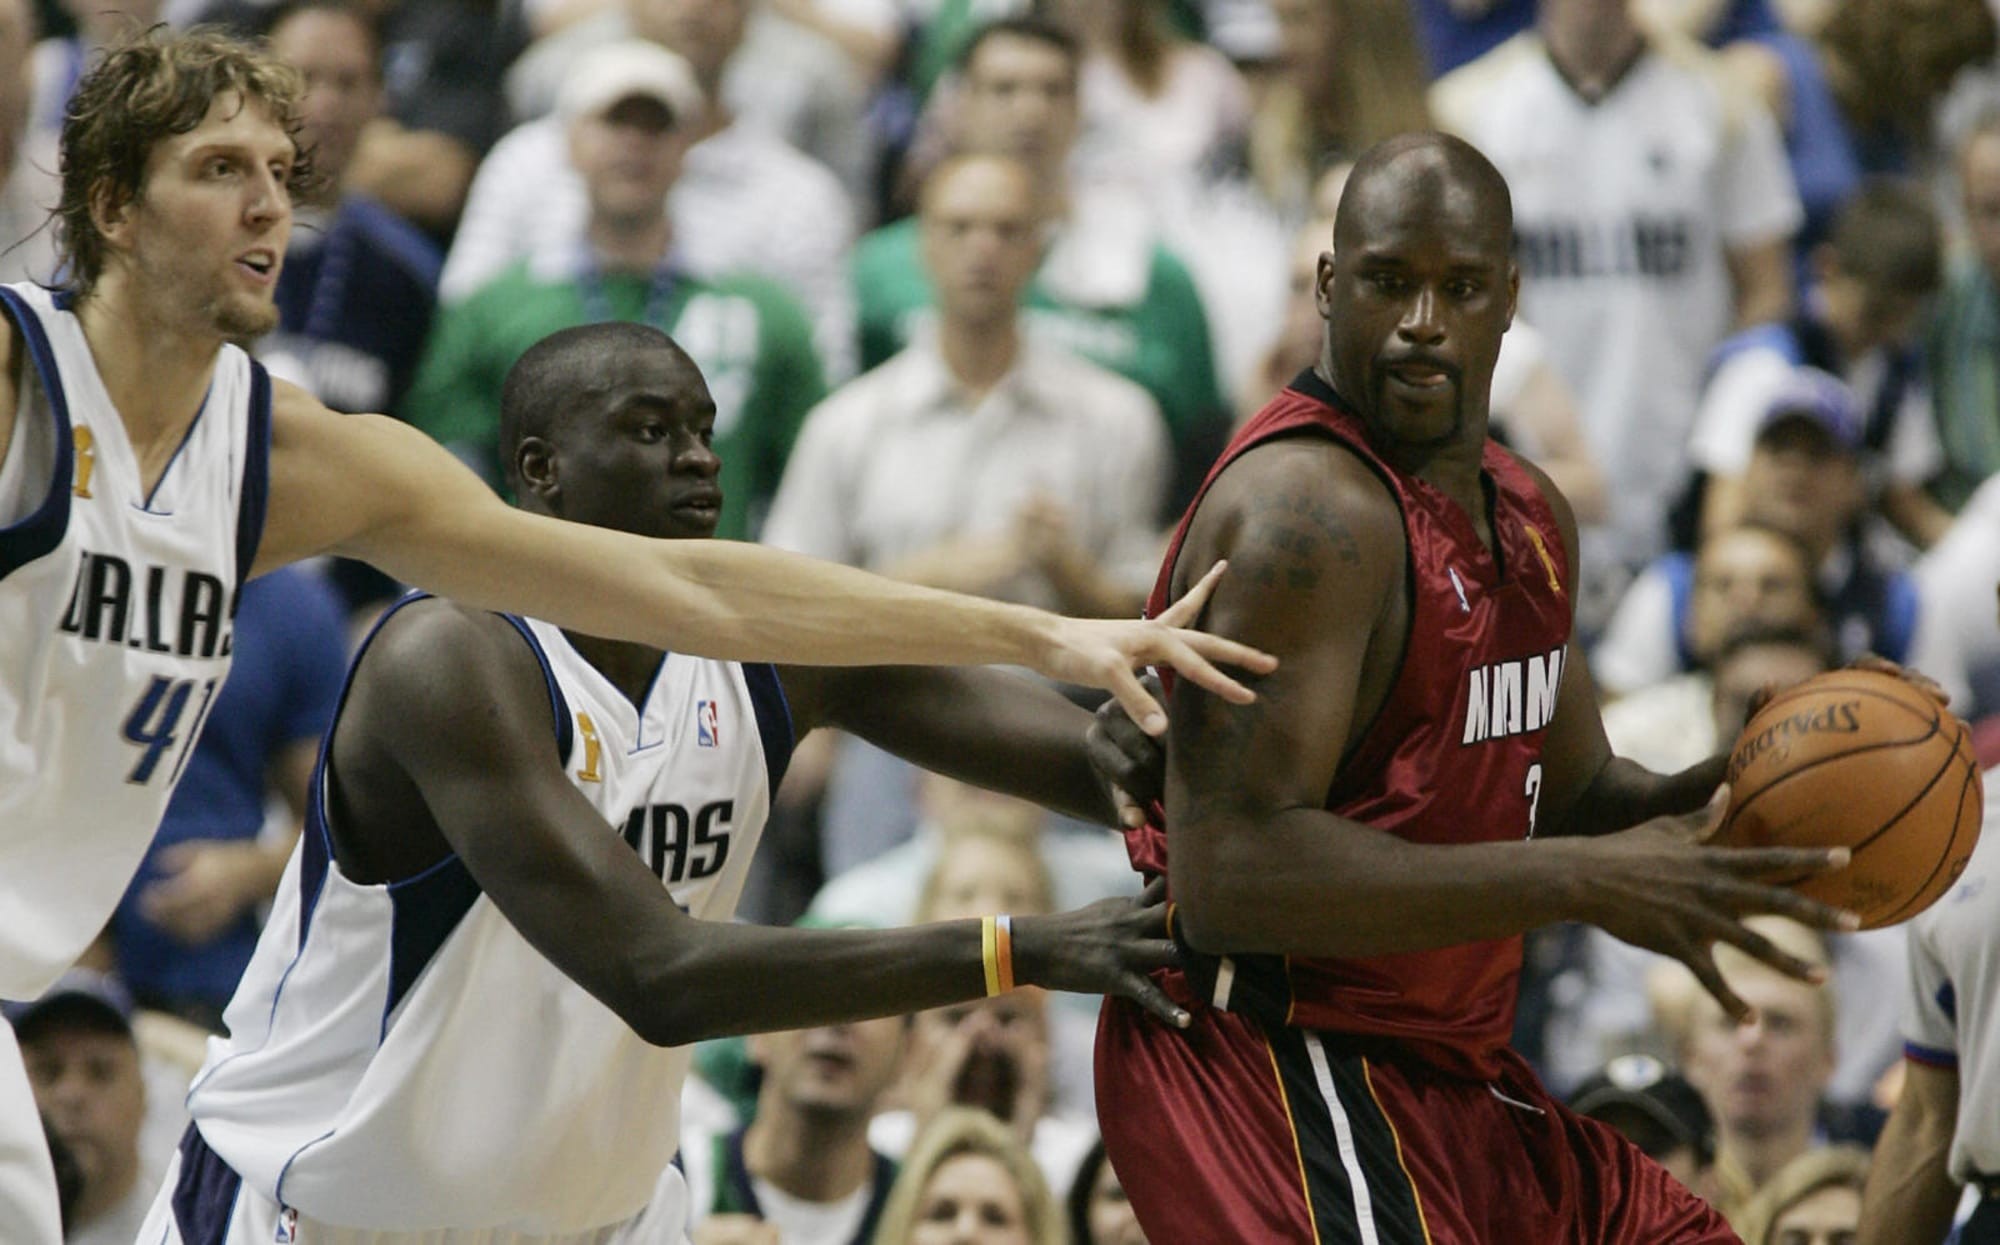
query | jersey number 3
[154, 725]
[1533, 790]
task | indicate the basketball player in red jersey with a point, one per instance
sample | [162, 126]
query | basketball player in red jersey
[1354, 858]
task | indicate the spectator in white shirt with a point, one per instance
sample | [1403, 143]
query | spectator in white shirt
[979, 456]
[746, 201]
[1653, 212]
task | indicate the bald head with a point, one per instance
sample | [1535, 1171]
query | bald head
[1417, 292]
[1425, 172]
[556, 377]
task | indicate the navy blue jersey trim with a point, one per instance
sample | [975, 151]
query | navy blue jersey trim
[186, 436]
[317, 843]
[565, 728]
[423, 912]
[254, 499]
[774, 720]
[205, 1192]
[38, 535]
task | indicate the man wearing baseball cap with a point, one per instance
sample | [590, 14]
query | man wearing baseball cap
[83, 1063]
[1804, 480]
[630, 110]
[1655, 1109]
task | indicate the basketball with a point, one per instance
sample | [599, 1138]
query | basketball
[1866, 761]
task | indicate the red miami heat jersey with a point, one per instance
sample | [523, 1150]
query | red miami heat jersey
[1454, 756]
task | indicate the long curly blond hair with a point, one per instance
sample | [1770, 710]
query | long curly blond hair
[151, 86]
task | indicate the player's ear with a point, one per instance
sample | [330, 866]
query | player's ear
[1323, 284]
[535, 468]
[1513, 291]
[111, 213]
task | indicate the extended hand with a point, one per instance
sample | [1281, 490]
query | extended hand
[1659, 886]
[1131, 764]
[1104, 653]
[1106, 948]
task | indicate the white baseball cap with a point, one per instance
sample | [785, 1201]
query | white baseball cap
[631, 67]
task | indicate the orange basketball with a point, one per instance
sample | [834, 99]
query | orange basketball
[1866, 761]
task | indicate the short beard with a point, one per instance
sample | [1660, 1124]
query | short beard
[240, 322]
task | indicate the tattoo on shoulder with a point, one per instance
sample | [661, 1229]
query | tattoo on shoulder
[1289, 539]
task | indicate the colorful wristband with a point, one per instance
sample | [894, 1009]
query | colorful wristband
[1004, 937]
[989, 953]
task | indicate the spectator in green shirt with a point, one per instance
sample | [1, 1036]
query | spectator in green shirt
[1105, 289]
[627, 109]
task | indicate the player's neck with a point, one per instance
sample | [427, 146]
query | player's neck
[629, 667]
[630, 245]
[817, 1156]
[155, 369]
[979, 355]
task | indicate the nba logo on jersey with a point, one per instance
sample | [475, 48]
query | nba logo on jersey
[706, 728]
[288, 1227]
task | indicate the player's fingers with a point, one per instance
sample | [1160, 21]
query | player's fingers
[1882, 665]
[1707, 820]
[1146, 994]
[1155, 893]
[1151, 954]
[1229, 652]
[1701, 962]
[1777, 863]
[1758, 947]
[1131, 813]
[1740, 897]
[1133, 697]
[1183, 612]
[1194, 654]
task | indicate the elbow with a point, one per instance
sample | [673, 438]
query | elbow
[1213, 914]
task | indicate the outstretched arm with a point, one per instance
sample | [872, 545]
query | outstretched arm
[494, 787]
[990, 728]
[1257, 862]
[372, 488]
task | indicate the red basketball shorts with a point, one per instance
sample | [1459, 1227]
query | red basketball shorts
[1227, 1132]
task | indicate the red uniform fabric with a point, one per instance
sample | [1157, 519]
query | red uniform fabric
[1229, 1132]
[1453, 757]
[1375, 1100]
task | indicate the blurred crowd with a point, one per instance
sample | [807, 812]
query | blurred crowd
[979, 288]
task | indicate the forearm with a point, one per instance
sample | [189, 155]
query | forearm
[757, 603]
[990, 728]
[1910, 1197]
[1306, 882]
[720, 599]
[693, 986]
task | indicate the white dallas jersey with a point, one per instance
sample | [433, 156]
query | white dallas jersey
[399, 1057]
[1952, 1019]
[1624, 211]
[116, 607]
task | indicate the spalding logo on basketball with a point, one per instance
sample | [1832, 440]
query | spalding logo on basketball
[1866, 761]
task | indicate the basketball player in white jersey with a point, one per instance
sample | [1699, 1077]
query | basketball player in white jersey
[148, 467]
[465, 1021]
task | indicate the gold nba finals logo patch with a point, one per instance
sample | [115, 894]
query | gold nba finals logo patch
[593, 750]
[86, 460]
